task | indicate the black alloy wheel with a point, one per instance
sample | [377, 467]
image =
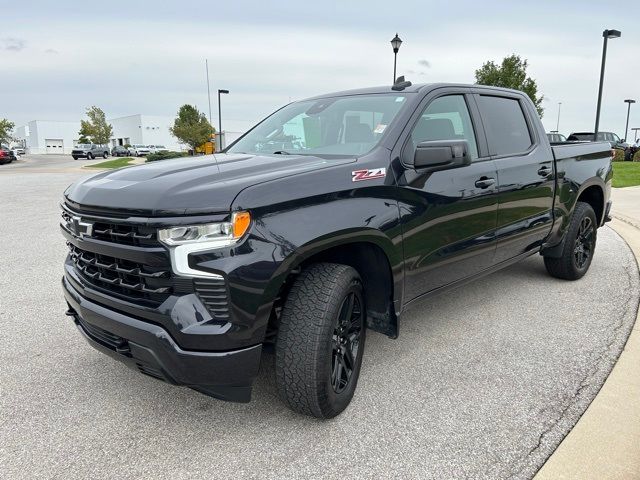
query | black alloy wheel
[321, 340]
[578, 246]
[583, 249]
[346, 341]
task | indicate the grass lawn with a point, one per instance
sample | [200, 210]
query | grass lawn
[115, 163]
[626, 174]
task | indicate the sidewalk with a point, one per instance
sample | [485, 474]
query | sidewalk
[605, 443]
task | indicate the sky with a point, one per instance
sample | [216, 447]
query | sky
[127, 57]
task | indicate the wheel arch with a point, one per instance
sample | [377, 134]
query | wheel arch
[593, 194]
[371, 254]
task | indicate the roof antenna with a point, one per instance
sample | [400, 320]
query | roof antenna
[401, 84]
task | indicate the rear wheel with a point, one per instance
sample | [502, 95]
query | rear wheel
[75, 158]
[104, 155]
[321, 340]
[579, 245]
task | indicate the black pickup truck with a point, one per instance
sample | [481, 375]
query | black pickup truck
[330, 217]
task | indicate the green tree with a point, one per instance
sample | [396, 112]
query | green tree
[512, 73]
[96, 128]
[191, 127]
[6, 130]
[85, 132]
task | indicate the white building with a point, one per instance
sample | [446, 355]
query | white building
[43, 136]
[55, 137]
[144, 130]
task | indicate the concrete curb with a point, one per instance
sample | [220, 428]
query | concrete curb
[605, 443]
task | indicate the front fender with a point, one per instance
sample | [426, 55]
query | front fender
[280, 239]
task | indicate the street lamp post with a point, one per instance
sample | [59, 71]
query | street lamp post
[219, 144]
[395, 43]
[607, 34]
[635, 131]
[628, 101]
[206, 63]
[558, 123]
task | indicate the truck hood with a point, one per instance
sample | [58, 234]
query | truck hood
[198, 185]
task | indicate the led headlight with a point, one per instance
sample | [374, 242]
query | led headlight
[188, 239]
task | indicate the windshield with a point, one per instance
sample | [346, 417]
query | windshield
[344, 126]
[84, 145]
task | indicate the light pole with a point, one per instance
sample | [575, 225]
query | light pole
[220, 91]
[206, 63]
[607, 34]
[558, 123]
[626, 126]
[635, 136]
[395, 43]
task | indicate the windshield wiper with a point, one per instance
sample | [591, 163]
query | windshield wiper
[281, 152]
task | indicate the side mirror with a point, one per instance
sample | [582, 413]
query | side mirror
[441, 155]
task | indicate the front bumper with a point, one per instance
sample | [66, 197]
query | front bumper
[150, 349]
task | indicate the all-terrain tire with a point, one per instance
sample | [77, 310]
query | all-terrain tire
[580, 237]
[309, 340]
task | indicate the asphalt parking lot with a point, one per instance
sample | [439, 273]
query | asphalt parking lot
[484, 381]
[47, 164]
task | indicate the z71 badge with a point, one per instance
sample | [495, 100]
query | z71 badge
[359, 175]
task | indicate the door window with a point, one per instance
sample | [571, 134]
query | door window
[445, 118]
[506, 126]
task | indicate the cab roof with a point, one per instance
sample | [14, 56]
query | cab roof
[417, 88]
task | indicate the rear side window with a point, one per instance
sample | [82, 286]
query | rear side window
[507, 129]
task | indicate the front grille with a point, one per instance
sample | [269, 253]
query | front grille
[109, 274]
[123, 233]
[123, 277]
[213, 293]
[126, 234]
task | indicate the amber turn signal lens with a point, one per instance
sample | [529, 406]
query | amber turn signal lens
[241, 222]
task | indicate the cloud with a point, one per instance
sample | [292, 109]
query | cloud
[13, 44]
[424, 63]
[51, 51]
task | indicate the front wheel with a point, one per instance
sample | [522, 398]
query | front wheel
[89, 156]
[579, 245]
[321, 340]
[104, 155]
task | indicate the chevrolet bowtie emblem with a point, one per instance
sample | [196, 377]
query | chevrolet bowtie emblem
[80, 228]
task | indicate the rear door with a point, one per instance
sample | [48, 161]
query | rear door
[448, 216]
[524, 162]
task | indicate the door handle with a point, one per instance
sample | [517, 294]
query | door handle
[544, 171]
[485, 182]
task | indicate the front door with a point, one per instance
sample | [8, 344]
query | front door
[449, 216]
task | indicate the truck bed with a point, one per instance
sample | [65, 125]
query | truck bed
[565, 150]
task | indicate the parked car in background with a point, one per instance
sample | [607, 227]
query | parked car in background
[18, 151]
[556, 137]
[89, 151]
[612, 138]
[6, 155]
[139, 150]
[120, 151]
[631, 150]
[157, 148]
